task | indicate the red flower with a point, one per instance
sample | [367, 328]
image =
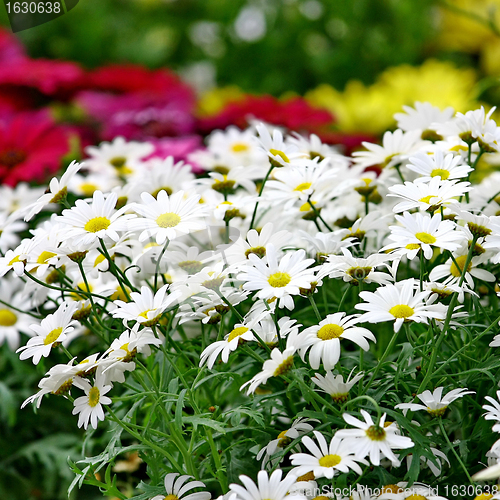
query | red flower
[295, 114]
[48, 77]
[137, 103]
[31, 147]
[10, 47]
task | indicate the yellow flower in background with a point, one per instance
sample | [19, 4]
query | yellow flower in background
[216, 99]
[461, 29]
[370, 109]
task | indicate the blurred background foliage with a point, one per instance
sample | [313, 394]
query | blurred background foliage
[265, 46]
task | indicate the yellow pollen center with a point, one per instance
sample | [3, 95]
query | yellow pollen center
[99, 259]
[375, 433]
[7, 317]
[118, 161]
[416, 497]
[402, 311]
[306, 207]
[15, 259]
[94, 396]
[279, 280]
[427, 199]
[425, 238]
[320, 497]
[329, 460]
[52, 336]
[97, 224]
[455, 271]
[168, 220]
[239, 147]
[237, 332]
[171, 497]
[284, 367]
[283, 156]
[440, 172]
[412, 246]
[328, 332]
[44, 257]
[88, 189]
[303, 186]
[484, 496]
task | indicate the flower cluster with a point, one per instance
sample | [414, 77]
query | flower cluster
[204, 312]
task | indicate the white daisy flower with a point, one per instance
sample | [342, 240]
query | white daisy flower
[335, 386]
[279, 364]
[88, 223]
[299, 426]
[357, 270]
[327, 459]
[280, 153]
[52, 331]
[176, 486]
[422, 232]
[167, 217]
[434, 403]
[398, 302]
[396, 147]
[424, 117]
[89, 407]
[256, 242]
[145, 307]
[282, 279]
[240, 333]
[438, 165]
[493, 411]
[373, 440]
[267, 488]
[56, 192]
[452, 269]
[117, 157]
[428, 195]
[323, 339]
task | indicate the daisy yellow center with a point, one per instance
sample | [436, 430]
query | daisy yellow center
[402, 311]
[427, 199]
[14, 260]
[97, 224]
[284, 366]
[259, 251]
[328, 332]
[94, 396]
[416, 497]
[52, 336]
[239, 147]
[99, 259]
[171, 497]
[425, 238]
[283, 156]
[60, 195]
[320, 497]
[329, 460]
[457, 271]
[88, 188]
[44, 257]
[440, 172]
[167, 190]
[306, 207]
[118, 161]
[484, 496]
[7, 317]
[283, 439]
[303, 186]
[391, 488]
[375, 433]
[412, 246]
[237, 332]
[168, 220]
[279, 280]
[438, 412]
[478, 230]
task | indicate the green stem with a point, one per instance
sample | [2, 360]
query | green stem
[261, 190]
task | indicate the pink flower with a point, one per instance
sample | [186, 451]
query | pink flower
[31, 147]
[179, 148]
